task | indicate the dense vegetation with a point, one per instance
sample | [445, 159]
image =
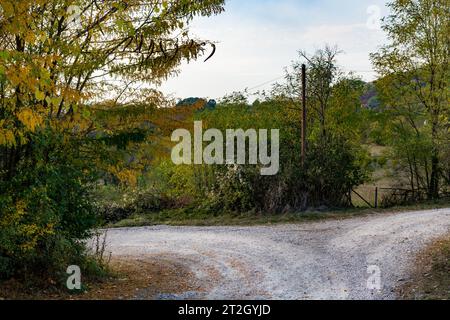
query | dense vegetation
[414, 88]
[84, 141]
[65, 68]
[335, 161]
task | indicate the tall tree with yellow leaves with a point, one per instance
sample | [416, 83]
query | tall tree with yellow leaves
[60, 60]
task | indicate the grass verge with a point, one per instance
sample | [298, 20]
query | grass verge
[431, 278]
[192, 217]
[130, 278]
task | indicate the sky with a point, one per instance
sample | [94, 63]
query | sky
[257, 39]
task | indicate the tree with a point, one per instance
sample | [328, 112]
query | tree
[54, 61]
[415, 71]
[64, 65]
[59, 56]
[333, 97]
[334, 163]
[322, 74]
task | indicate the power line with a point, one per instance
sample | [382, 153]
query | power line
[363, 71]
[282, 77]
[264, 83]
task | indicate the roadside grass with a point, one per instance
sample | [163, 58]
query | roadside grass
[129, 278]
[191, 217]
[52, 284]
[45, 288]
[431, 278]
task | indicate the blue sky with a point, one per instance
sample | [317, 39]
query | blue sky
[256, 39]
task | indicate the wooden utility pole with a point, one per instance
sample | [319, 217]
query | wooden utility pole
[376, 197]
[304, 114]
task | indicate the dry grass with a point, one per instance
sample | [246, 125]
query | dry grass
[431, 278]
[133, 279]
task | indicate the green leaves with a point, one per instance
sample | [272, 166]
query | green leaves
[4, 54]
[53, 101]
[40, 96]
[415, 86]
[51, 74]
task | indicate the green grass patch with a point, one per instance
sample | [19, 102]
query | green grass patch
[195, 217]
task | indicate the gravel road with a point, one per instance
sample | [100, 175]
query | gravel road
[319, 260]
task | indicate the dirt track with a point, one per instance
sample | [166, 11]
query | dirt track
[320, 260]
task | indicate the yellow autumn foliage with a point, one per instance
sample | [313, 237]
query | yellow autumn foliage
[30, 119]
[32, 233]
[126, 176]
[7, 138]
[15, 216]
[29, 233]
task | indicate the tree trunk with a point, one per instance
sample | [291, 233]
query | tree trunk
[434, 181]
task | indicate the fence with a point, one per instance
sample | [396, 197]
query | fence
[366, 197]
[375, 197]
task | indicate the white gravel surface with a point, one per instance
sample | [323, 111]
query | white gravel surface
[319, 260]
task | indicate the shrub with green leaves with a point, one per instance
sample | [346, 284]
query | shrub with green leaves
[335, 164]
[45, 209]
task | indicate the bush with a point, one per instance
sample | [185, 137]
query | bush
[137, 202]
[332, 169]
[45, 209]
[111, 213]
[334, 166]
[233, 189]
[148, 202]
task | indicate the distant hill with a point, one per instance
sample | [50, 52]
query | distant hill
[201, 103]
[370, 98]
